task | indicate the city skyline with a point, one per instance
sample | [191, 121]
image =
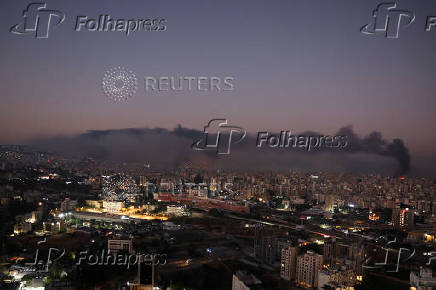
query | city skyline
[217, 144]
[296, 65]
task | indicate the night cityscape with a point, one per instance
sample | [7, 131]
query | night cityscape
[213, 145]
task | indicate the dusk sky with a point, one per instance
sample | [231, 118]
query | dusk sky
[298, 65]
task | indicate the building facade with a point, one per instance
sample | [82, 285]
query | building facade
[308, 266]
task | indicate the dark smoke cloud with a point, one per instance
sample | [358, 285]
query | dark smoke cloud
[172, 148]
[374, 144]
[399, 151]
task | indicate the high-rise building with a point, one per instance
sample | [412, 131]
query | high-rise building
[329, 252]
[308, 266]
[423, 279]
[403, 218]
[329, 202]
[288, 264]
[356, 254]
[265, 246]
[282, 243]
[68, 205]
[433, 208]
[142, 181]
[338, 278]
[243, 280]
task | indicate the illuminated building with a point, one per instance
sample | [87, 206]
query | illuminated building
[330, 202]
[22, 228]
[338, 279]
[308, 266]
[94, 203]
[373, 216]
[402, 218]
[53, 227]
[113, 205]
[429, 238]
[176, 210]
[114, 246]
[423, 280]
[119, 188]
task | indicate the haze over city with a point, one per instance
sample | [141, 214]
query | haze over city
[297, 65]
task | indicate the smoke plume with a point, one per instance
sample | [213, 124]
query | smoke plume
[163, 148]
